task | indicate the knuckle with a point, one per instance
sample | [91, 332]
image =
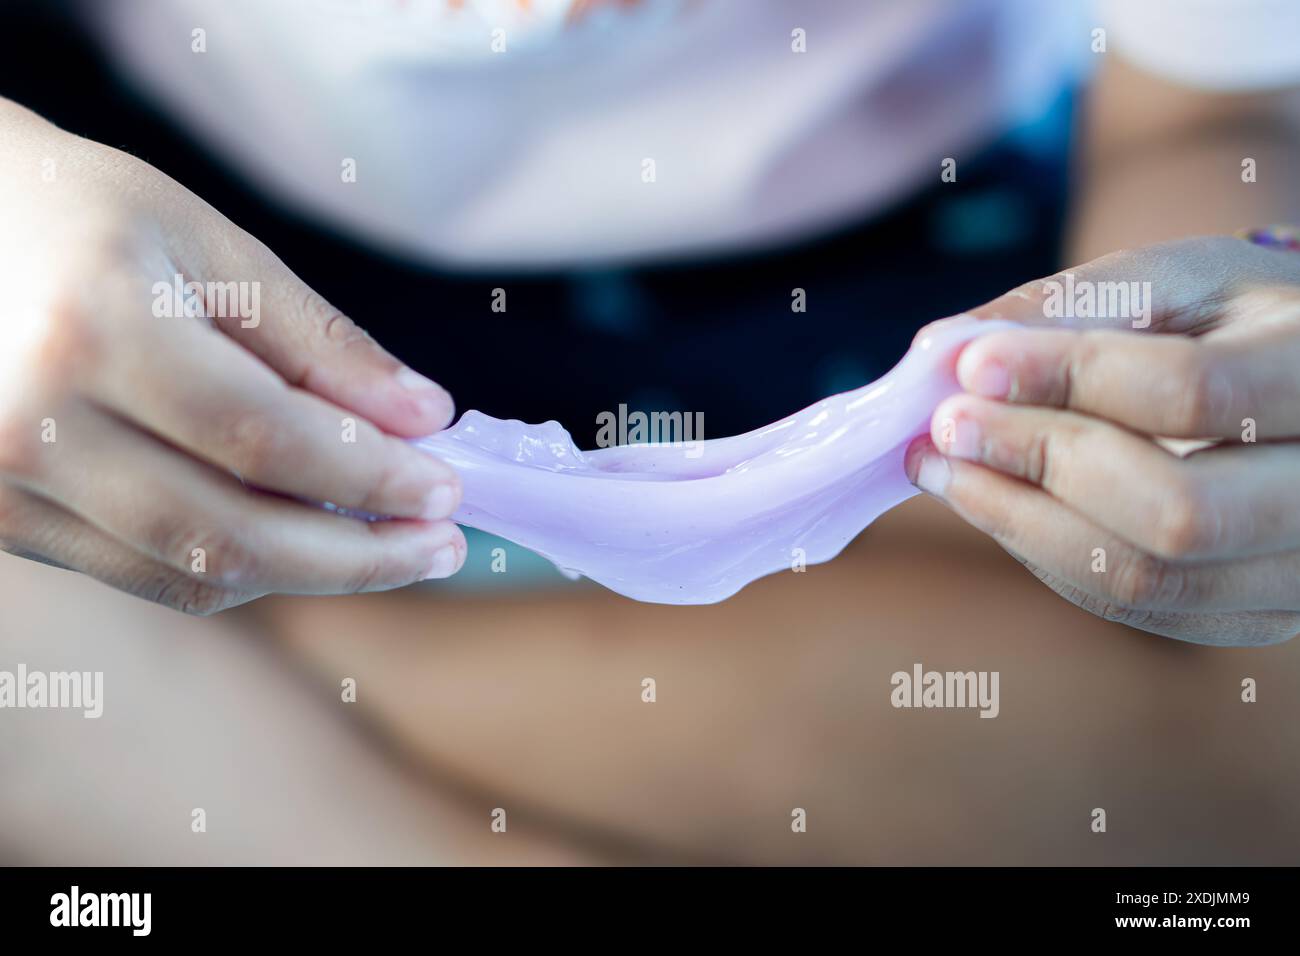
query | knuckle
[1186, 524]
[373, 574]
[323, 323]
[255, 442]
[69, 347]
[1080, 370]
[388, 567]
[103, 277]
[222, 554]
[234, 561]
[1050, 453]
[172, 536]
[331, 324]
[1117, 613]
[1197, 396]
[385, 486]
[1143, 582]
[1047, 453]
[196, 598]
[1038, 458]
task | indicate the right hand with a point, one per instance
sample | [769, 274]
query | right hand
[124, 436]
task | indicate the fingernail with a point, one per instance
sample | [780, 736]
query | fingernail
[989, 378]
[442, 501]
[433, 399]
[412, 380]
[933, 475]
[445, 563]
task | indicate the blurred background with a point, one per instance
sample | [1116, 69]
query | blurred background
[781, 169]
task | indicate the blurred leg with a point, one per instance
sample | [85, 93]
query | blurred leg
[205, 714]
[780, 698]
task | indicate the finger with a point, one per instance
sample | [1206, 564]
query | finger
[1040, 530]
[203, 393]
[307, 341]
[1224, 505]
[1213, 386]
[34, 528]
[203, 522]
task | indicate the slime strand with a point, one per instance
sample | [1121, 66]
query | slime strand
[655, 523]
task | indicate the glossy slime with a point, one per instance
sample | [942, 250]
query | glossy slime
[694, 523]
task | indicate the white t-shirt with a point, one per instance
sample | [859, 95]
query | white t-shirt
[496, 132]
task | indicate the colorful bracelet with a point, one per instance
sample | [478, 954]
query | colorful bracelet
[1276, 237]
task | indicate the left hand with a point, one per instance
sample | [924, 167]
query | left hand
[1052, 449]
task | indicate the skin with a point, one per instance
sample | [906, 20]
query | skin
[1197, 547]
[176, 434]
[206, 714]
[1054, 449]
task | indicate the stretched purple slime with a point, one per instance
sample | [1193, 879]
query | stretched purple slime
[694, 523]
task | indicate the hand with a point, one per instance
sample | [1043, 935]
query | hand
[162, 453]
[1052, 449]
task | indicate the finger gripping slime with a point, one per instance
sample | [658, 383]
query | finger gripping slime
[695, 523]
